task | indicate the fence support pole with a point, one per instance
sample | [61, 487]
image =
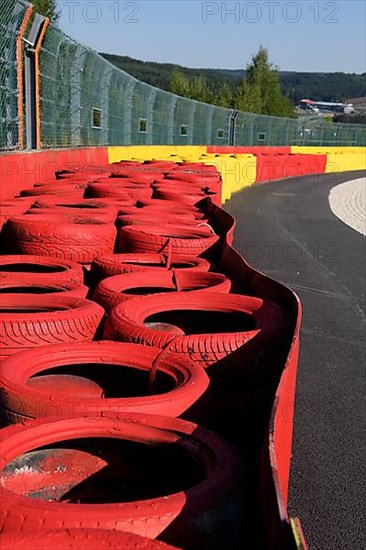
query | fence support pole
[233, 118]
[20, 81]
[32, 83]
[38, 80]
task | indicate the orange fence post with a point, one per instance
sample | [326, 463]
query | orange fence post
[22, 30]
[38, 81]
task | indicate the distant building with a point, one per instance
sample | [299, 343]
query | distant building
[359, 104]
[310, 107]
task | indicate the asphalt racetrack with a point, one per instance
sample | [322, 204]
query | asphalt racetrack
[288, 230]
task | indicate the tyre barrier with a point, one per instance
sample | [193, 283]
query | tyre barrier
[212, 357]
[177, 210]
[51, 201]
[79, 539]
[48, 291]
[83, 208]
[119, 264]
[39, 270]
[182, 240]
[129, 378]
[156, 217]
[80, 239]
[128, 190]
[114, 290]
[239, 334]
[78, 481]
[13, 207]
[167, 205]
[31, 321]
[168, 194]
[76, 190]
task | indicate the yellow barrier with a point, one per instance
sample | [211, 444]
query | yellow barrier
[327, 150]
[343, 162]
[237, 171]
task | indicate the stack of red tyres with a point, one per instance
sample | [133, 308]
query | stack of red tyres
[90, 357]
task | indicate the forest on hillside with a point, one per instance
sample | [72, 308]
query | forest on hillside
[296, 86]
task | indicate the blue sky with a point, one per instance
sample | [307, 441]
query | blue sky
[300, 36]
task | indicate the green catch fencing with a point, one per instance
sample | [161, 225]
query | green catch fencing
[11, 16]
[85, 100]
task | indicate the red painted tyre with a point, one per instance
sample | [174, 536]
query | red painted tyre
[82, 208]
[147, 176]
[153, 476]
[76, 189]
[206, 182]
[72, 215]
[79, 240]
[161, 218]
[39, 270]
[177, 188]
[118, 264]
[170, 209]
[131, 190]
[114, 290]
[184, 198]
[3, 220]
[194, 177]
[183, 240]
[120, 371]
[35, 321]
[163, 165]
[196, 167]
[142, 203]
[51, 201]
[46, 290]
[79, 539]
[87, 175]
[229, 333]
[14, 207]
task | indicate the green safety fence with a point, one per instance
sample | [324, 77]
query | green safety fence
[88, 101]
[85, 100]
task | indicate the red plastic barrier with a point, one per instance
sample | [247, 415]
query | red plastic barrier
[276, 167]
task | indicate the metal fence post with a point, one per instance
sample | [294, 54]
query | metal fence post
[75, 97]
[233, 117]
[32, 45]
[170, 119]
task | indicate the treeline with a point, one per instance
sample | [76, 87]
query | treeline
[258, 92]
[296, 86]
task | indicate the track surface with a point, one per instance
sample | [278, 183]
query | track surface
[287, 230]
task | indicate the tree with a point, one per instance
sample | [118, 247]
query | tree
[224, 96]
[198, 90]
[248, 98]
[178, 83]
[260, 91]
[48, 8]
